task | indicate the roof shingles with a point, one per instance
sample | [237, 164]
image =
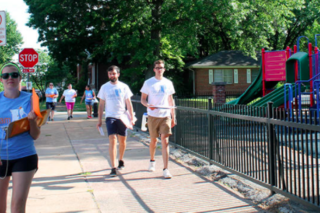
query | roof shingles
[225, 58]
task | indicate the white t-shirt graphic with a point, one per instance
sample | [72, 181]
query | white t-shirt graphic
[115, 96]
[158, 92]
[68, 94]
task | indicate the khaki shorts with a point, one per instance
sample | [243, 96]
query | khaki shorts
[159, 126]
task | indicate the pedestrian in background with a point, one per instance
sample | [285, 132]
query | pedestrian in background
[51, 100]
[70, 99]
[18, 156]
[114, 98]
[89, 96]
[159, 90]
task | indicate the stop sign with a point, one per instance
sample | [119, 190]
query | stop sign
[28, 57]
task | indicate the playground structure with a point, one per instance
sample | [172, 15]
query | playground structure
[299, 70]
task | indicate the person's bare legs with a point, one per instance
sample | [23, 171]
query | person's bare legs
[4, 184]
[52, 114]
[165, 150]
[21, 182]
[69, 112]
[88, 110]
[122, 146]
[113, 149]
[152, 148]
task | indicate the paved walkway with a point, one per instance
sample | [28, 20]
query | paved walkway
[74, 169]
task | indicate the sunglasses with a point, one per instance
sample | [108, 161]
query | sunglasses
[12, 74]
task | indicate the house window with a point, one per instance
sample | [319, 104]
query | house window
[254, 74]
[210, 76]
[235, 76]
[223, 75]
[249, 76]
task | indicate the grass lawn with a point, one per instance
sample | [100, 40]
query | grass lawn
[62, 107]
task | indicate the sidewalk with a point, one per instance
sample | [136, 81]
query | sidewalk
[74, 169]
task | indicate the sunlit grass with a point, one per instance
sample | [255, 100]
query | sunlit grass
[61, 107]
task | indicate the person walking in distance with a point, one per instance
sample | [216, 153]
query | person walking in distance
[70, 99]
[159, 90]
[114, 97]
[89, 96]
[18, 155]
[51, 99]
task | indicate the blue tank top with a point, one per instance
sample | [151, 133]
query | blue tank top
[14, 109]
[89, 94]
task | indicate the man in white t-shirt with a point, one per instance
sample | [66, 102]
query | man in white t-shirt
[159, 90]
[114, 97]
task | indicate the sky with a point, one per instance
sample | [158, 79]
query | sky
[18, 11]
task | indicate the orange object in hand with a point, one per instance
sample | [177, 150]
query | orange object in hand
[35, 103]
[52, 96]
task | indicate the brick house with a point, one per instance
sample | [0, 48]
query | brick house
[97, 74]
[232, 67]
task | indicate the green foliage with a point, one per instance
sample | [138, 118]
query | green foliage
[38, 78]
[312, 31]
[59, 75]
[279, 84]
[133, 34]
[14, 41]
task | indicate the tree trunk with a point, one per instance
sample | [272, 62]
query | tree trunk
[155, 33]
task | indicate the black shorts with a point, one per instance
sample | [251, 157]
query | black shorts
[51, 105]
[116, 126]
[25, 164]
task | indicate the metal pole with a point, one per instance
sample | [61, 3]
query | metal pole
[28, 81]
[210, 129]
[271, 148]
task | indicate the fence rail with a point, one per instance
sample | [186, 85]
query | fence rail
[270, 146]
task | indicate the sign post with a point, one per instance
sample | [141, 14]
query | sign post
[28, 58]
[3, 32]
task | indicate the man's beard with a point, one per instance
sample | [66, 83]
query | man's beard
[113, 80]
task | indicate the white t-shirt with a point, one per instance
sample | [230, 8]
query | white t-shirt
[115, 96]
[158, 92]
[68, 94]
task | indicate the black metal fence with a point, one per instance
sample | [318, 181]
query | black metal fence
[272, 147]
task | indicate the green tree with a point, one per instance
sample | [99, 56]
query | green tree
[39, 76]
[135, 33]
[14, 41]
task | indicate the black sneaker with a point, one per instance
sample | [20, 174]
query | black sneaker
[121, 165]
[69, 118]
[113, 172]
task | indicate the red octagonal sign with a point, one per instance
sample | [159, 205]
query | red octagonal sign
[28, 57]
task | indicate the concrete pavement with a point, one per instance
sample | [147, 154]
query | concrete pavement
[74, 169]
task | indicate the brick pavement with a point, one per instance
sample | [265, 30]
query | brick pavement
[73, 177]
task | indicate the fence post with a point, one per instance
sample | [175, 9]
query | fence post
[210, 129]
[271, 148]
[176, 132]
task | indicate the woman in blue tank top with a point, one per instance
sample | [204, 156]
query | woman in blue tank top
[18, 155]
[89, 96]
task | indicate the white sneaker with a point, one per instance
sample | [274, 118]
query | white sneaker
[166, 174]
[152, 166]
